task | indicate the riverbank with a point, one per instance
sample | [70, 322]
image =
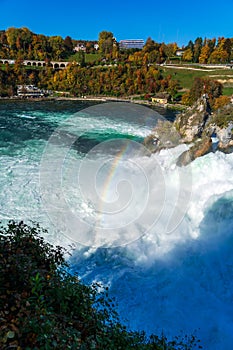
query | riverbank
[175, 107]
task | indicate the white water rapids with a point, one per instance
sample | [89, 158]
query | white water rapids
[169, 260]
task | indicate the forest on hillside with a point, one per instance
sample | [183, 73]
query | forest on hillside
[23, 43]
[111, 72]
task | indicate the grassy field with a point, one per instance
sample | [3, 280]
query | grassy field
[228, 91]
[89, 57]
[186, 76]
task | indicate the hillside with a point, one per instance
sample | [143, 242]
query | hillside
[104, 68]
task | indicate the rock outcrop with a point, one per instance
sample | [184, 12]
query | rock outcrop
[207, 130]
[204, 130]
[164, 135]
[199, 148]
[191, 124]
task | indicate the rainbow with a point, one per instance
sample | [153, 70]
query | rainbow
[123, 153]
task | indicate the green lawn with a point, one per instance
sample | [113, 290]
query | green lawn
[187, 76]
[89, 57]
[228, 91]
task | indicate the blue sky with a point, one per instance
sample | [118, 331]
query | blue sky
[168, 21]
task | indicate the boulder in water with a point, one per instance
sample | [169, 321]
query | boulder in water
[199, 148]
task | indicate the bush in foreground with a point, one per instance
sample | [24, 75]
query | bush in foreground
[43, 306]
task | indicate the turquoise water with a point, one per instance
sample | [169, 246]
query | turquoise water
[175, 281]
[25, 129]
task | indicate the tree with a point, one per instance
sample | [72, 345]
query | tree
[190, 45]
[204, 55]
[197, 49]
[170, 50]
[4, 49]
[81, 58]
[187, 55]
[12, 35]
[89, 47]
[221, 101]
[222, 52]
[7, 82]
[213, 88]
[173, 86]
[68, 45]
[26, 38]
[106, 42]
[150, 45]
[214, 57]
[162, 53]
[211, 43]
[57, 48]
[40, 48]
[203, 86]
[186, 99]
[224, 49]
[228, 46]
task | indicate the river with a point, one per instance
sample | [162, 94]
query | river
[159, 236]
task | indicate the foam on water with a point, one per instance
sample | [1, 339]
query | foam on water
[22, 144]
[178, 282]
[177, 275]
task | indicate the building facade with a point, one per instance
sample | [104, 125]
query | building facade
[131, 44]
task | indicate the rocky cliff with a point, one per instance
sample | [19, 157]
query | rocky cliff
[204, 130]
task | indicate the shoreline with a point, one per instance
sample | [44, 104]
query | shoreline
[178, 107]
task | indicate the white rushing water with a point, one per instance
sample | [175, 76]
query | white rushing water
[178, 282]
[168, 259]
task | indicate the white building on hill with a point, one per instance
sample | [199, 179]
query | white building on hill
[131, 44]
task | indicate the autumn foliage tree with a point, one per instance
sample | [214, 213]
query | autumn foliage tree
[8, 82]
[201, 86]
[187, 55]
[221, 101]
[106, 42]
[117, 80]
[115, 72]
[21, 42]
